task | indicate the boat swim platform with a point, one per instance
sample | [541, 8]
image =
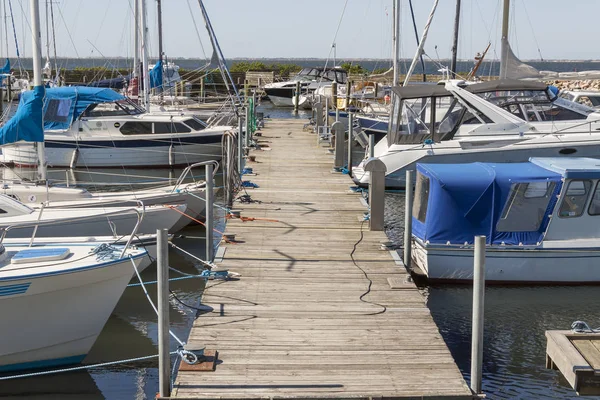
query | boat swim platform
[293, 326]
[577, 357]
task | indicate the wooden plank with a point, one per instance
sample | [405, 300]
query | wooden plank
[588, 351]
[303, 321]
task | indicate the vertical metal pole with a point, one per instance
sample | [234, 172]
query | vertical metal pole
[228, 177]
[36, 41]
[209, 212]
[334, 87]
[371, 146]
[248, 133]
[145, 71]
[160, 46]
[408, 206]
[504, 39]
[478, 306]
[240, 144]
[455, 39]
[350, 138]
[136, 40]
[164, 358]
[326, 111]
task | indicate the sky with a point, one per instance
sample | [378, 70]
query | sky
[552, 29]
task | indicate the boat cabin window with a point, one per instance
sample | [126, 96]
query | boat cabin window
[58, 110]
[122, 107]
[136, 128]
[595, 203]
[419, 210]
[170, 127]
[575, 198]
[525, 207]
[194, 124]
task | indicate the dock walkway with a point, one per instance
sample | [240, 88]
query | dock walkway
[294, 326]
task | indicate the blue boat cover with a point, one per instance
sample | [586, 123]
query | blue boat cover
[467, 200]
[6, 68]
[63, 105]
[114, 83]
[156, 75]
[26, 124]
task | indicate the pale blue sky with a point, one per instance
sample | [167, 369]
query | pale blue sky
[306, 28]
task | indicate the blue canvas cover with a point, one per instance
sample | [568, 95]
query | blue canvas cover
[114, 83]
[156, 75]
[467, 200]
[26, 124]
[6, 68]
[63, 105]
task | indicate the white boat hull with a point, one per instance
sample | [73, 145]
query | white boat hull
[104, 155]
[398, 159]
[56, 319]
[516, 266]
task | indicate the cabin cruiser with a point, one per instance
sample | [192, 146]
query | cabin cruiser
[496, 121]
[588, 97]
[96, 127]
[282, 94]
[539, 219]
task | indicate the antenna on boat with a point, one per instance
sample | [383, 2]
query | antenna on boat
[36, 39]
[504, 47]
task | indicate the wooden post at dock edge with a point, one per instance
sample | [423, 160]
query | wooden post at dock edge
[478, 306]
[376, 169]
[350, 124]
[338, 131]
[164, 356]
[297, 97]
[209, 212]
[240, 161]
[408, 205]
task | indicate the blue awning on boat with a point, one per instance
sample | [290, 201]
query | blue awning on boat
[156, 75]
[26, 124]
[467, 200]
[63, 105]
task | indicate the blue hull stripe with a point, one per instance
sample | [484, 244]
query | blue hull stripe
[134, 143]
[43, 363]
[10, 290]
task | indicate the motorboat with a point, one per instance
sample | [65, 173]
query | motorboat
[98, 127]
[539, 219]
[282, 94]
[55, 300]
[495, 121]
[588, 97]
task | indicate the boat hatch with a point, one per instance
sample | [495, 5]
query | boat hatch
[40, 255]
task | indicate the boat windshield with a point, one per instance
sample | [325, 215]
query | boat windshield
[121, 107]
[435, 118]
[536, 106]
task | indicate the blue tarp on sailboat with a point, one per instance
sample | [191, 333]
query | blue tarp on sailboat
[63, 105]
[156, 75]
[26, 124]
[114, 83]
[6, 68]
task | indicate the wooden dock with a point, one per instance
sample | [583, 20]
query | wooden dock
[577, 357]
[294, 326]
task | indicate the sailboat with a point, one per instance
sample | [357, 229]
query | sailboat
[68, 290]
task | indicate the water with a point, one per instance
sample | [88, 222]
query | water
[515, 321]
[489, 67]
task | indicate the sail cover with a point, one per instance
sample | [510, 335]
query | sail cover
[63, 105]
[156, 75]
[6, 68]
[517, 69]
[26, 124]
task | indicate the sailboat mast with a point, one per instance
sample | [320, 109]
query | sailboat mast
[504, 40]
[160, 46]
[395, 40]
[145, 71]
[36, 38]
[455, 40]
[136, 38]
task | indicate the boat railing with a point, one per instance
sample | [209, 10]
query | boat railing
[586, 122]
[187, 170]
[140, 211]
